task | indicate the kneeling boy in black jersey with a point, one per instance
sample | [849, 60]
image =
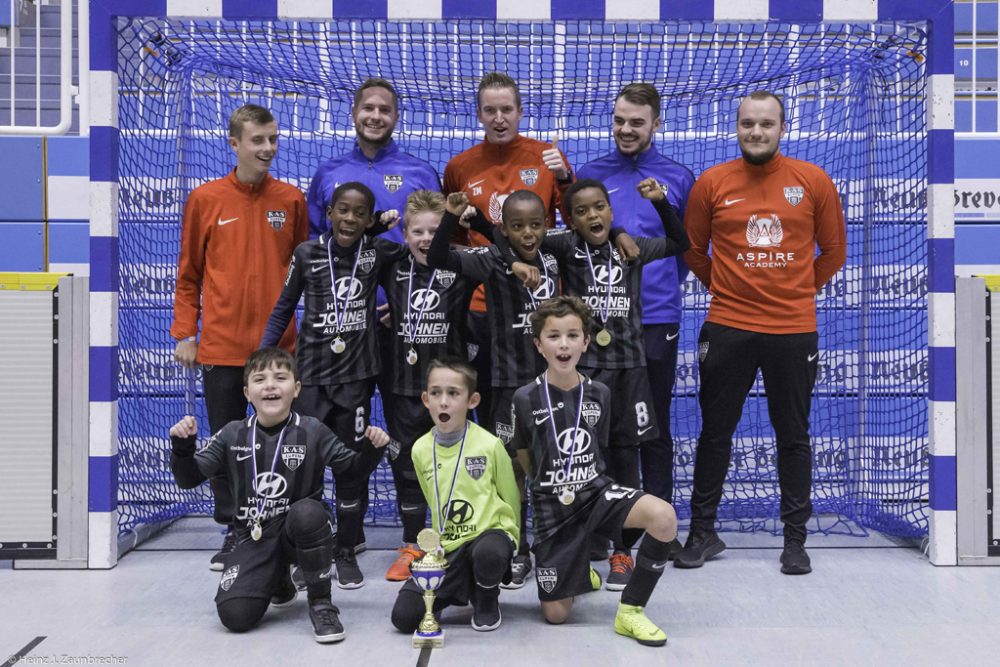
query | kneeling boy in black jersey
[561, 420]
[467, 478]
[275, 462]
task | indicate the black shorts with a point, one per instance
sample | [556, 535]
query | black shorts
[344, 408]
[501, 421]
[562, 565]
[406, 418]
[459, 579]
[254, 569]
[631, 405]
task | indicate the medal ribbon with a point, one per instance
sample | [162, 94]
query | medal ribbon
[606, 308]
[253, 457]
[552, 421]
[414, 326]
[437, 493]
[338, 313]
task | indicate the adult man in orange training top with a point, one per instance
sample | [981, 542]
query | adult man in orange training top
[487, 173]
[490, 171]
[764, 215]
[237, 239]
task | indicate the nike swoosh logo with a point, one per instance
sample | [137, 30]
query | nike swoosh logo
[812, 357]
[541, 421]
[658, 566]
[472, 184]
[359, 438]
[226, 222]
[671, 337]
[643, 430]
[345, 506]
[317, 268]
[243, 458]
[730, 202]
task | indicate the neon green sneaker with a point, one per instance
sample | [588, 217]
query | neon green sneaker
[595, 579]
[631, 621]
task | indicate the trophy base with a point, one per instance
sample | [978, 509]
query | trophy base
[428, 640]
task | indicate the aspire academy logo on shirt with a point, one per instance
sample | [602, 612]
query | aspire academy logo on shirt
[765, 231]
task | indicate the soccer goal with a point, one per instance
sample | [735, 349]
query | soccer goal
[858, 99]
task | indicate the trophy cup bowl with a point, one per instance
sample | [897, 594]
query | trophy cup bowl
[428, 573]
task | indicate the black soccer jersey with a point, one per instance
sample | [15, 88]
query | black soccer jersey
[610, 286]
[264, 480]
[428, 317]
[560, 463]
[509, 304]
[337, 341]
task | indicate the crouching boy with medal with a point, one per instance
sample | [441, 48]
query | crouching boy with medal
[561, 420]
[468, 481]
[274, 461]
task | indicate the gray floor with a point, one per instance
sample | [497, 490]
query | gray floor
[869, 601]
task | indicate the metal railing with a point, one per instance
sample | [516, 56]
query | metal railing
[9, 98]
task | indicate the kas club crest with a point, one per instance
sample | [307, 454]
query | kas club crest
[392, 182]
[475, 466]
[293, 455]
[547, 578]
[529, 176]
[794, 195]
[366, 261]
[276, 219]
[702, 350]
[229, 577]
[445, 278]
[591, 412]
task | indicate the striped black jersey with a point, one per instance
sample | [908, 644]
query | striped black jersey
[343, 320]
[509, 304]
[563, 458]
[428, 316]
[264, 480]
[611, 286]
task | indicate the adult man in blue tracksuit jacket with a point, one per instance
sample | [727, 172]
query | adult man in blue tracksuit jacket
[636, 120]
[376, 161]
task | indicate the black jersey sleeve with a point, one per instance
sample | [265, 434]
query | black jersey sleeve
[190, 467]
[284, 309]
[559, 242]
[441, 255]
[343, 459]
[520, 416]
[676, 241]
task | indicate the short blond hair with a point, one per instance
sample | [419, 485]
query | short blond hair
[423, 201]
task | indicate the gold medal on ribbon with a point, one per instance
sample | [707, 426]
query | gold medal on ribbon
[603, 337]
[339, 345]
[411, 357]
[566, 497]
[256, 532]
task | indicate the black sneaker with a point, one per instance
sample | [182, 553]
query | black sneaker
[699, 548]
[485, 609]
[622, 567]
[218, 561]
[284, 593]
[326, 621]
[674, 547]
[519, 569]
[794, 559]
[348, 573]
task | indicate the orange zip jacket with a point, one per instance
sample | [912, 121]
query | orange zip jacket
[764, 223]
[236, 243]
[487, 173]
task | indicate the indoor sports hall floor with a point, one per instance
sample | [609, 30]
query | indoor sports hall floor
[869, 601]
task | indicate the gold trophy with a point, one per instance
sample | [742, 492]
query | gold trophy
[428, 573]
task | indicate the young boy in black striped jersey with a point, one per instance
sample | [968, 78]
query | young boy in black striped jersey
[560, 421]
[274, 463]
[338, 274]
[467, 479]
[592, 269]
[425, 302]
